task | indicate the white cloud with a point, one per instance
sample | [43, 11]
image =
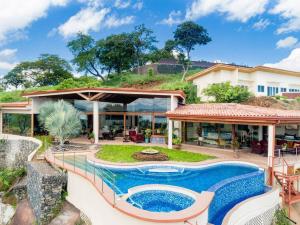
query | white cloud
[138, 5]
[290, 11]
[16, 15]
[240, 10]
[261, 24]
[292, 62]
[87, 19]
[7, 59]
[113, 21]
[288, 42]
[122, 4]
[174, 18]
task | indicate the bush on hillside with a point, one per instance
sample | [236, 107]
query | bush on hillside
[226, 93]
[83, 81]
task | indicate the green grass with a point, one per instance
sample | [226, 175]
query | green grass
[46, 143]
[9, 176]
[157, 81]
[123, 154]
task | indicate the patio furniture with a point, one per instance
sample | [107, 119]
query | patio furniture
[224, 144]
[135, 137]
[259, 147]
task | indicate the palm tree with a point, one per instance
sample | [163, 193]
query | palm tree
[61, 120]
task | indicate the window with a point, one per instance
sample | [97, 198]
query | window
[19, 124]
[271, 91]
[282, 90]
[261, 88]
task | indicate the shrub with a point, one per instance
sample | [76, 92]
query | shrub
[83, 81]
[8, 177]
[281, 218]
[226, 93]
[150, 72]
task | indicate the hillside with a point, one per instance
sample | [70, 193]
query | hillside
[126, 80]
[274, 102]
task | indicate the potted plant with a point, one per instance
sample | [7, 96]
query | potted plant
[148, 133]
[176, 143]
[236, 146]
[91, 137]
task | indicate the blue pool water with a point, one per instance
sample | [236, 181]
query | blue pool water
[231, 183]
[161, 200]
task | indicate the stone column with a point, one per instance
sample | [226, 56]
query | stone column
[271, 148]
[96, 121]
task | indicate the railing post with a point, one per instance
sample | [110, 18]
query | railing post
[114, 198]
[102, 185]
[74, 161]
[94, 171]
[63, 159]
[85, 165]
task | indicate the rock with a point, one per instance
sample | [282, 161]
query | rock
[6, 213]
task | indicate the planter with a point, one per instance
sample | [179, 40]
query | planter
[176, 146]
[147, 140]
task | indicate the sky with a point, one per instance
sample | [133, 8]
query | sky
[246, 32]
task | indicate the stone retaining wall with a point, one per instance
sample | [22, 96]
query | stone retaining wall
[44, 188]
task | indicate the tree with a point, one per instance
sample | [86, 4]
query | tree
[143, 42]
[51, 70]
[47, 70]
[226, 93]
[117, 52]
[87, 55]
[186, 37]
[61, 120]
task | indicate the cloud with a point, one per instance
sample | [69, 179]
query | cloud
[174, 18]
[138, 5]
[16, 15]
[87, 19]
[288, 42]
[290, 11]
[261, 24]
[113, 21]
[122, 4]
[239, 10]
[292, 62]
[7, 59]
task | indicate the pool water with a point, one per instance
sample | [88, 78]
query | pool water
[161, 200]
[197, 179]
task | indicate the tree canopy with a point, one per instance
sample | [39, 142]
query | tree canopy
[47, 70]
[226, 93]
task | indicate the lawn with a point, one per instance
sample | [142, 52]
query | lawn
[123, 154]
[46, 143]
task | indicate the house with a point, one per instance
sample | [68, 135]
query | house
[112, 110]
[171, 66]
[260, 80]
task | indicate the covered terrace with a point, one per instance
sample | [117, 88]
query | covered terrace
[269, 124]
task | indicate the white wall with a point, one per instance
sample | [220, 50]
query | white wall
[253, 207]
[86, 198]
[252, 80]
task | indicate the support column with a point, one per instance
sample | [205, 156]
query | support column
[260, 133]
[32, 125]
[271, 149]
[170, 134]
[96, 121]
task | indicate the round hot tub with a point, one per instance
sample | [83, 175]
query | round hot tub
[161, 200]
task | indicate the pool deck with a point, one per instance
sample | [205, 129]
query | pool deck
[221, 155]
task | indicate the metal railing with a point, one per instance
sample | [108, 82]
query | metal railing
[103, 178]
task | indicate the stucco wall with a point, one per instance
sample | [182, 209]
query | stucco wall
[85, 197]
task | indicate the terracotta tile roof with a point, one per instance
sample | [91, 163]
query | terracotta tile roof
[15, 104]
[243, 69]
[232, 111]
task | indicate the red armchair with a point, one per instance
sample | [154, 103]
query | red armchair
[138, 138]
[259, 147]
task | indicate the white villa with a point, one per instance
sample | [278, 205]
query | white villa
[260, 80]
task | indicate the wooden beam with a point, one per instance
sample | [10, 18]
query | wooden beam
[84, 96]
[96, 96]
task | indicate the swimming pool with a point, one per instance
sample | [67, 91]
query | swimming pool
[232, 182]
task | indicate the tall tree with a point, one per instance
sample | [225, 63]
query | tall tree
[46, 70]
[86, 55]
[143, 42]
[186, 37]
[117, 52]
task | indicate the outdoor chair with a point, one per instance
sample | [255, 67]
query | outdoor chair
[135, 137]
[259, 147]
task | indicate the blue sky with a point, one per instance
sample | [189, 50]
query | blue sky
[243, 31]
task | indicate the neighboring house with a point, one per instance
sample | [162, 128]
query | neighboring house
[260, 80]
[171, 66]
